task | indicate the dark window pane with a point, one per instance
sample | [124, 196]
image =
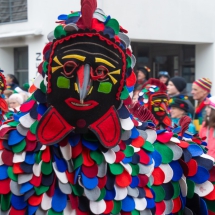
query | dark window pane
[13, 10]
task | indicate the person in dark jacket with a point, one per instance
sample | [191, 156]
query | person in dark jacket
[176, 88]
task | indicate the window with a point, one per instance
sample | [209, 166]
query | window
[21, 64]
[13, 10]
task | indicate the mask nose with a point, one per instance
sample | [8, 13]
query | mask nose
[164, 107]
[83, 79]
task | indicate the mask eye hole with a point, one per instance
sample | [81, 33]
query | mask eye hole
[69, 67]
[100, 73]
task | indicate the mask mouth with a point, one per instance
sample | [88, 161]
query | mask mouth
[77, 105]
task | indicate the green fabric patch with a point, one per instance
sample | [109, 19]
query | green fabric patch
[97, 157]
[105, 87]
[43, 87]
[210, 205]
[33, 127]
[176, 187]
[5, 202]
[59, 32]
[11, 175]
[19, 147]
[116, 169]
[166, 152]
[46, 168]
[52, 212]
[63, 82]
[13, 124]
[77, 190]
[117, 207]
[73, 14]
[128, 60]
[135, 169]
[38, 157]
[148, 146]
[45, 66]
[78, 161]
[129, 151]
[191, 188]
[124, 94]
[135, 212]
[159, 193]
[40, 190]
[114, 24]
[102, 195]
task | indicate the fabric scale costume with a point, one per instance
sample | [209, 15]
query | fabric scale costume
[75, 149]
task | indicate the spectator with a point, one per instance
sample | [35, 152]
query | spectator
[15, 101]
[164, 77]
[7, 94]
[208, 126]
[178, 109]
[176, 88]
[12, 83]
[142, 76]
[200, 90]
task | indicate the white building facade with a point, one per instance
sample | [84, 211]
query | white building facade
[173, 35]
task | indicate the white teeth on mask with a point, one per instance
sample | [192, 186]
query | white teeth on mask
[78, 104]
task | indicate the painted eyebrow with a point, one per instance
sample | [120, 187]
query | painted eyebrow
[78, 57]
[101, 60]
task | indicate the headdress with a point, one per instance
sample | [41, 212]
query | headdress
[204, 83]
[153, 96]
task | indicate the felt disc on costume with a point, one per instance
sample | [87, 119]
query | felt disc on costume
[52, 128]
[107, 129]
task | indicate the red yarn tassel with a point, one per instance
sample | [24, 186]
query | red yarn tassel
[88, 7]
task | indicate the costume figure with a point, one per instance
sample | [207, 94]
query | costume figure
[182, 162]
[74, 148]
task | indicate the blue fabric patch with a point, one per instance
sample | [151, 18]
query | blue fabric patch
[127, 160]
[18, 202]
[150, 203]
[93, 146]
[123, 112]
[201, 176]
[41, 109]
[33, 112]
[32, 209]
[61, 164]
[26, 187]
[135, 181]
[203, 207]
[128, 204]
[110, 195]
[177, 170]
[195, 150]
[109, 31]
[134, 133]
[16, 116]
[30, 158]
[62, 17]
[3, 172]
[59, 200]
[72, 19]
[157, 158]
[130, 89]
[14, 138]
[160, 131]
[89, 183]
[74, 139]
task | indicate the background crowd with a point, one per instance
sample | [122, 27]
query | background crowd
[202, 116]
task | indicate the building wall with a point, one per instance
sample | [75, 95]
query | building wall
[163, 21]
